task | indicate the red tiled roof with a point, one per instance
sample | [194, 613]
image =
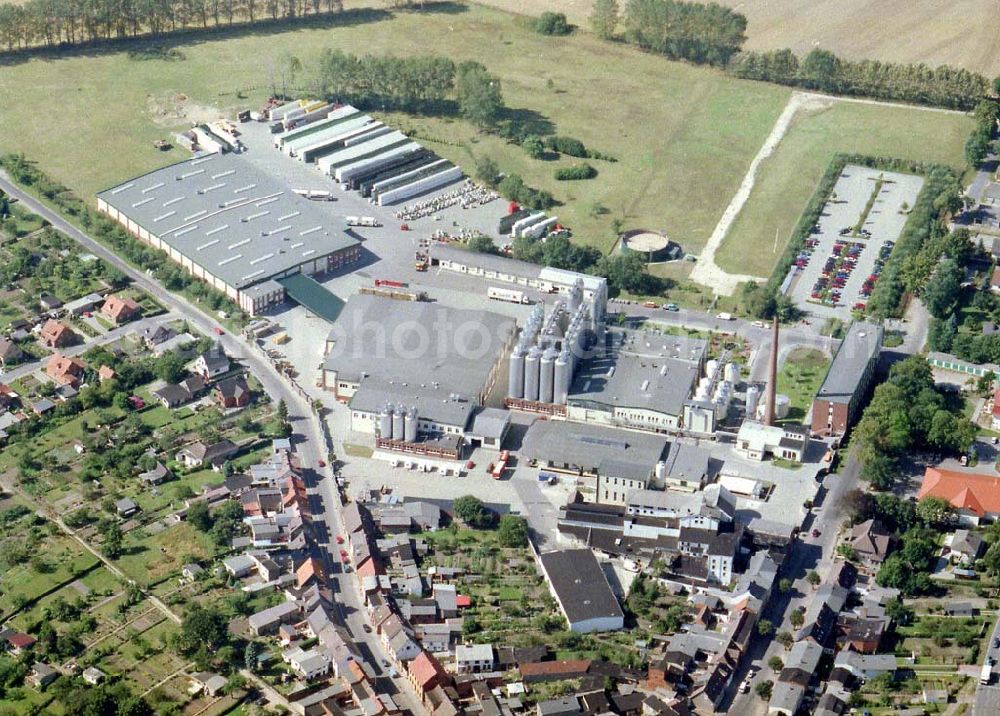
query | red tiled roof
[21, 641]
[553, 669]
[426, 670]
[116, 307]
[970, 491]
[463, 600]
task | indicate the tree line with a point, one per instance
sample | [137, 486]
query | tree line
[941, 86]
[703, 34]
[411, 84]
[61, 23]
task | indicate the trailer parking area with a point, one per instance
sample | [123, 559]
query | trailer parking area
[854, 236]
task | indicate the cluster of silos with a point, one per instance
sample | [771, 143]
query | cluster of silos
[398, 423]
[543, 362]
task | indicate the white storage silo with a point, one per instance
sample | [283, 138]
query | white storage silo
[531, 371]
[385, 422]
[398, 423]
[546, 376]
[410, 430]
[515, 380]
[753, 400]
[733, 373]
[563, 378]
[782, 404]
[711, 367]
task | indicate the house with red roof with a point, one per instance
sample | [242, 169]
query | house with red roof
[17, 642]
[55, 334]
[974, 496]
[425, 672]
[65, 370]
[120, 309]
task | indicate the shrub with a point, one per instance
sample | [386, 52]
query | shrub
[567, 145]
[576, 172]
[552, 23]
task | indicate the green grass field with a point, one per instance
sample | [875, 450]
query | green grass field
[683, 135]
[788, 177]
[800, 378]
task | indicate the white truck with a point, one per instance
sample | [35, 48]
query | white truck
[509, 295]
[361, 221]
[986, 675]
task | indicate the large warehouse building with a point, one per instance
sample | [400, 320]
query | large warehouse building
[848, 381]
[231, 226]
[424, 364]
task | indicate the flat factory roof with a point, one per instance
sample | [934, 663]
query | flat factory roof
[589, 445]
[227, 217]
[640, 370]
[413, 344]
[580, 585]
[862, 342]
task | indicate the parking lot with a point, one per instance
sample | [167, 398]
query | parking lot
[844, 255]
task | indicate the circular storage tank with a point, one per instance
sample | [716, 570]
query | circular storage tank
[410, 430]
[705, 382]
[732, 373]
[753, 399]
[546, 378]
[399, 423]
[563, 378]
[782, 404]
[711, 367]
[515, 378]
[385, 422]
[531, 365]
[653, 245]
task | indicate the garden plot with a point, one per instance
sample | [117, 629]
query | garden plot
[863, 217]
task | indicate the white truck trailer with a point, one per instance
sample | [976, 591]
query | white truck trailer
[509, 295]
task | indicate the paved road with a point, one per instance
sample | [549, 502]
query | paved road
[988, 697]
[984, 175]
[308, 436]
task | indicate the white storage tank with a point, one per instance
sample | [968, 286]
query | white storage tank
[515, 379]
[782, 405]
[732, 373]
[398, 423]
[385, 422]
[410, 431]
[546, 377]
[753, 400]
[531, 371]
[711, 367]
[563, 377]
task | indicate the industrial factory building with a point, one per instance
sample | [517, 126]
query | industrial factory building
[848, 380]
[522, 273]
[231, 226]
[637, 379]
[414, 368]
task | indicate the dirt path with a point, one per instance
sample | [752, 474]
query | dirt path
[706, 271]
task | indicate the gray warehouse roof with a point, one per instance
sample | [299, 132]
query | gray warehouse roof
[228, 218]
[580, 585]
[414, 344]
[590, 445]
[434, 404]
[862, 342]
[641, 370]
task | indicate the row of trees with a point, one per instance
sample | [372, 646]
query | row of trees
[908, 413]
[704, 34]
[411, 84]
[60, 23]
[978, 144]
[941, 86]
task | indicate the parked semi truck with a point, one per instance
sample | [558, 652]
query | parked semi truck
[362, 221]
[509, 295]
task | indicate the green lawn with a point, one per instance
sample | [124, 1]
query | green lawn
[788, 177]
[683, 135]
[800, 378]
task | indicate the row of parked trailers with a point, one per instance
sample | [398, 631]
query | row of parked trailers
[363, 154]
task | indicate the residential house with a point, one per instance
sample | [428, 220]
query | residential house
[93, 675]
[268, 620]
[106, 372]
[208, 682]
[55, 334]
[974, 496]
[175, 395]
[966, 547]
[153, 336]
[425, 673]
[866, 666]
[474, 658]
[191, 571]
[863, 635]
[232, 393]
[239, 566]
[65, 370]
[198, 453]
[871, 542]
[309, 664]
[212, 363]
[790, 689]
[41, 675]
[156, 475]
[120, 309]
[16, 642]
[425, 515]
[397, 640]
[10, 353]
[125, 507]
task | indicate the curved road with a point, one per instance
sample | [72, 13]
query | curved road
[310, 445]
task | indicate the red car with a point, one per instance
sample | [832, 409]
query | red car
[218, 331]
[816, 533]
[322, 463]
[340, 540]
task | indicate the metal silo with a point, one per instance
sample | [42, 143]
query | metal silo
[385, 421]
[576, 295]
[531, 365]
[546, 376]
[398, 423]
[563, 378]
[515, 380]
[732, 373]
[753, 399]
[410, 431]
